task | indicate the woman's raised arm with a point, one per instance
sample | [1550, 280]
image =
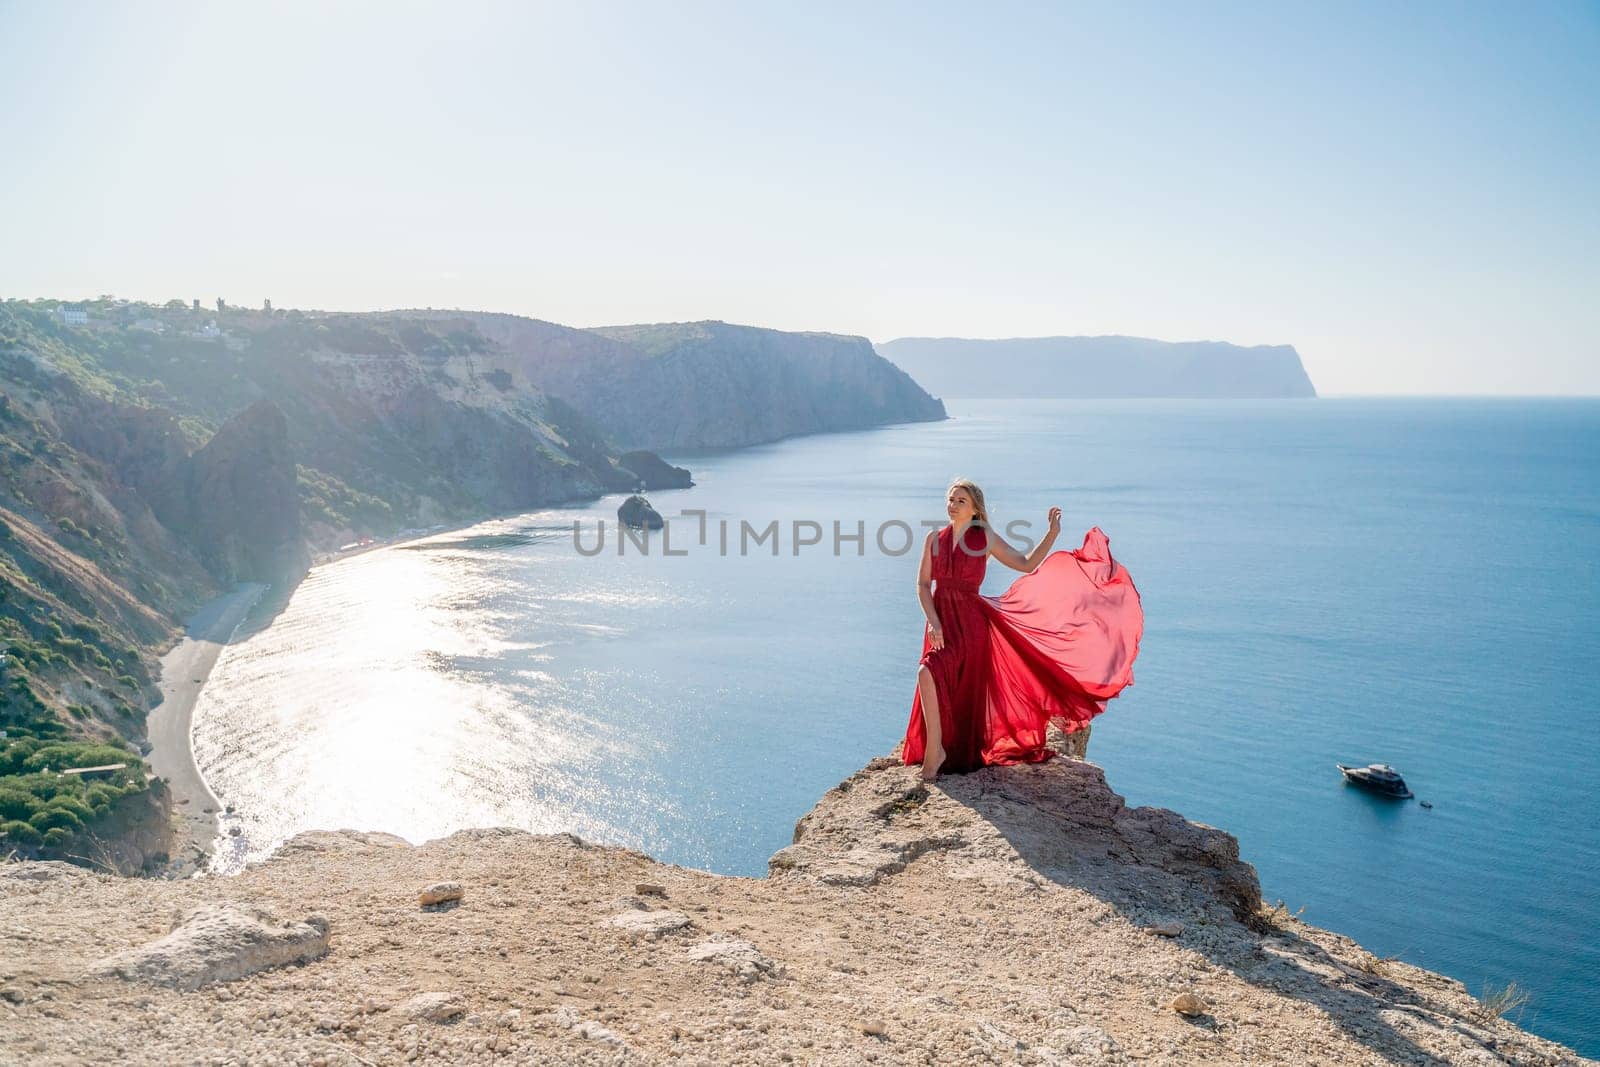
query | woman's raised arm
[1001, 549]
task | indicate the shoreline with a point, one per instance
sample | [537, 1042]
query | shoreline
[185, 669]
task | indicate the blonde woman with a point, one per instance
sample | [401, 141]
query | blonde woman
[995, 671]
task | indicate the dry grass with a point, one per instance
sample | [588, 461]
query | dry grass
[1494, 1002]
[1373, 964]
[1274, 918]
[97, 856]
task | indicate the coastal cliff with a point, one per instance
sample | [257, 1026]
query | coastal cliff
[719, 385]
[1101, 367]
[1014, 915]
[710, 384]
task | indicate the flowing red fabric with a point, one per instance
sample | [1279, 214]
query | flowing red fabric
[1056, 645]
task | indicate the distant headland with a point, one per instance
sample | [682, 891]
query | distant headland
[1100, 367]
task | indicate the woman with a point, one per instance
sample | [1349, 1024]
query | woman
[996, 670]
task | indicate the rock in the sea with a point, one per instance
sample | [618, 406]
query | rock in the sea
[439, 893]
[1188, 1004]
[651, 924]
[738, 957]
[637, 513]
[434, 1007]
[219, 943]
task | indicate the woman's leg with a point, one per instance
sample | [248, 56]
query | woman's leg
[933, 749]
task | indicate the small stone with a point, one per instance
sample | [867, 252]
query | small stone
[650, 889]
[439, 893]
[434, 1007]
[593, 1031]
[1188, 1004]
[875, 1028]
[1172, 929]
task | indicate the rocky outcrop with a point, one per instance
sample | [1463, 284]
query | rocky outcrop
[1099, 367]
[654, 472]
[1057, 821]
[218, 943]
[1017, 915]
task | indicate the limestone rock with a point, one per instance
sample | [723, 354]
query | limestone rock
[738, 957]
[649, 924]
[219, 943]
[434, 1007]
[1055, 820]
[587, 1029]
[1188, 1004]
[440, 893]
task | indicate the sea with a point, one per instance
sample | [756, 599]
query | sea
[1342, 579]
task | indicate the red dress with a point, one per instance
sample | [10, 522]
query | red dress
[1056, 645]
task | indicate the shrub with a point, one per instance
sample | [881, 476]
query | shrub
[20, 833]
[64, 754]
[15, 804]
[101, 796]
[57, 836]
[47, 819]
[63, 802]
[16, 753]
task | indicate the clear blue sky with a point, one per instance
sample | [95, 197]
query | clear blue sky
[1409, 193]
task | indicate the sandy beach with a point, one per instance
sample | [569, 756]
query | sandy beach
[183, 674]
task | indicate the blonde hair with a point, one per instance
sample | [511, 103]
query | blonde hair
[980, 512]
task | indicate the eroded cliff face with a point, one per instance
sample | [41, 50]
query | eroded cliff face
[1015, 915]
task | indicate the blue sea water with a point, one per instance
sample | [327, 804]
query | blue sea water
[1342, 579]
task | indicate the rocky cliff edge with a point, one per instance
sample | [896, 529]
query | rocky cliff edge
[1015, 915]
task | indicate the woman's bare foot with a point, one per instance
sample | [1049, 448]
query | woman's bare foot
[932, 760]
